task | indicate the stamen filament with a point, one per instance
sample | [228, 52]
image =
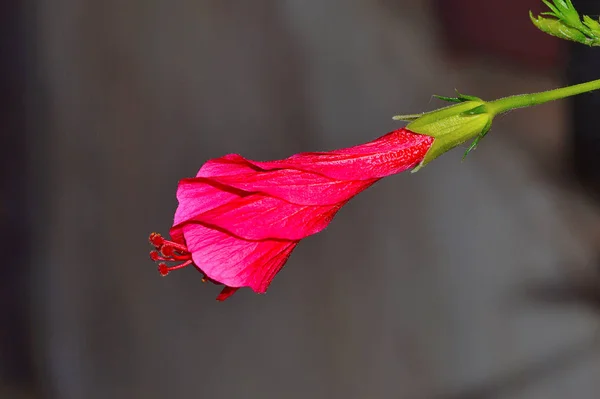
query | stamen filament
[163, 269]
[155, 256]
[174, 245]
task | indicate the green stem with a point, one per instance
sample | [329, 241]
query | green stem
[527, 100]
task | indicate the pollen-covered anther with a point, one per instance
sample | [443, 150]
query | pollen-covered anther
[163, 269]
[156, 240]
[154, 255]
[167, 251]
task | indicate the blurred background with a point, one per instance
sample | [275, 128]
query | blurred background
[469, 280]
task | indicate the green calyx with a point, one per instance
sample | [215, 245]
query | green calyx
[470, 118]
[563, 21]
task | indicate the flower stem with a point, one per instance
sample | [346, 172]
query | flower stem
[527, 100]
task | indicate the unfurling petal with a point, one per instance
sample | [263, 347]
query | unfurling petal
[233, 261]
[395, 152]
[258, 217]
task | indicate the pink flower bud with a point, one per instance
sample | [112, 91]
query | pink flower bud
[239, 220]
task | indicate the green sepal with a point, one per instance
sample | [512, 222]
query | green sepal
[407, 118]
[460, 98]
[482, 109]
[451, 126]
[466, 97]
[475, 142]
[448, 99]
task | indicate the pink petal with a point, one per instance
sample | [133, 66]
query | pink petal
[226, 293]
[390, 154]
[233, 261]
[252, 216]
[194, 199]
[197, 197]
[296, 186]
[227, 165]
[393, 153]
[258, 217]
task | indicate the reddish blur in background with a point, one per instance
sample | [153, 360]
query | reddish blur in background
[498, 29]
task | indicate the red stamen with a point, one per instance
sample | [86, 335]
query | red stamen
[175, 246]
[163, 269]
[169, 251]
[155, 256]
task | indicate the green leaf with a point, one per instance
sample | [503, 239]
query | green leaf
[563, 21]
[592, 24]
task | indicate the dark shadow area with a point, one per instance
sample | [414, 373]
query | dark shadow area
[16, 365]
[583, 65]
